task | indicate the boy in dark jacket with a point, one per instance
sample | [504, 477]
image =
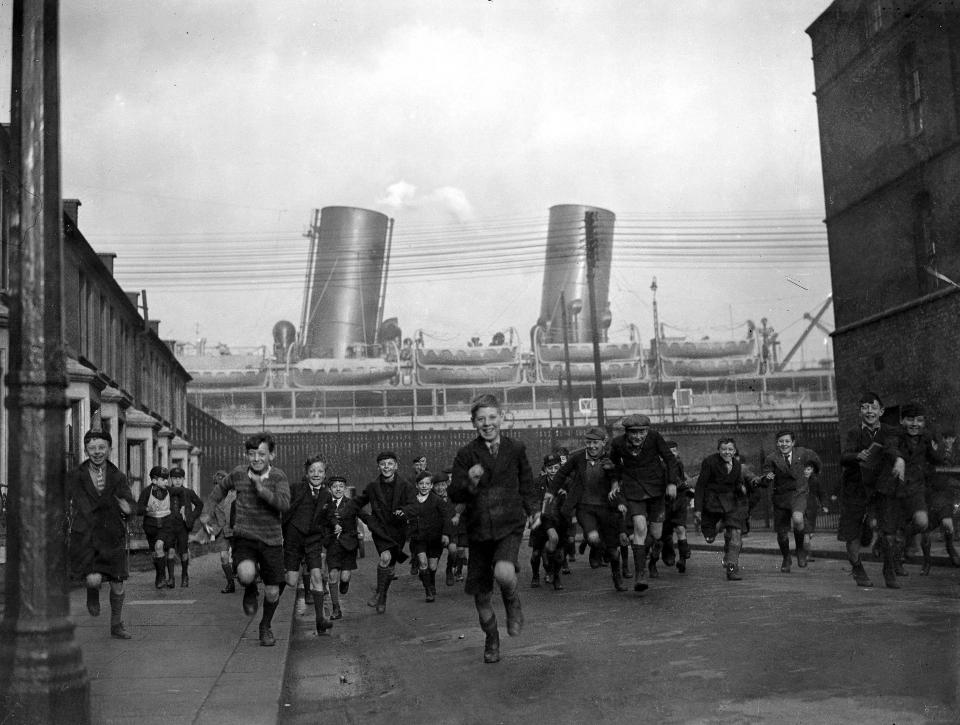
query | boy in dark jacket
[386, 496]
[342, 547]
[99, 502]
[492, 476]
[187, 509]
[305, 531]
[429, 530]
[156, 506]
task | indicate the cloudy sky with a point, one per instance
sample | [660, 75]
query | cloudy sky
[200, 135]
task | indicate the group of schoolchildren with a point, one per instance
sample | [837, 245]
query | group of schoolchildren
[628, 495]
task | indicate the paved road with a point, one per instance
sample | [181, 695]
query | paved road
[808, 647]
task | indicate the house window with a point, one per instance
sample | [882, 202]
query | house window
[911, 75]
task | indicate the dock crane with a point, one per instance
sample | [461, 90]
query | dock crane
[814, 322]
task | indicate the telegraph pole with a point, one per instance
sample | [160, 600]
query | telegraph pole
[42, 678]
[566, 353]
[656, 345]
[593, 243]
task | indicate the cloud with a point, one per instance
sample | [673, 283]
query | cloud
[450, 200]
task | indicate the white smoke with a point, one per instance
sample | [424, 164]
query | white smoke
[447, 199]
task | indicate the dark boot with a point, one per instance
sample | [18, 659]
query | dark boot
[925, 549]
[433, 583]
[117, 630]
[625, 562]
[335, 612]
[93, 601]
[639, 568]
[669, 554]
[491, 645]
[951, 549]
[511, 603]
[801, 550]
[783, 540]
[323, 624]
[266, 633]
[230, 588]
[564, 568]
[570, 547]
[184, 573]
[557, 563]
[684, 549]
[617, 572]
[307, 591]
[160, 567]
[425, 581]
[535, 565]
[448, 580]
[860, 574]
[596, 557]
[171, 573]
[889, 566]
[458, 569]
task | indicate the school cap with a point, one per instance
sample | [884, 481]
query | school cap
[912, 410]
[384, 455]
[551, 459]
[441, 477]
[177, 473]
[336, 479]
[159, 472]
[422, 475]
[94, 434]
[636, 421]
[596, 434]
[417, 459]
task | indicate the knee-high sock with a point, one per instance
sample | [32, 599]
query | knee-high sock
[268, 609]
[116, 608]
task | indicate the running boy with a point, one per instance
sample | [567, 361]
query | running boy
[492, 475]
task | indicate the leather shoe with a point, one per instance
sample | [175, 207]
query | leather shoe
[230, 588]
[514, 615]
[118, 632]
[266, 637]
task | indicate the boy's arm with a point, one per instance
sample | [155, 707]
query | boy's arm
[528, 491]
[216, 496]
[461, 489]
[196, 510]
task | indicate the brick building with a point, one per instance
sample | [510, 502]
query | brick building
[887, 78]
[121, 375]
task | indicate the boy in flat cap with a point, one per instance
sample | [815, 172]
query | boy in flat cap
[539, 536]
[587, 480]
[156, 506]
[99, 502]
[647, 476]
[492, 476]
[187, 508]
[386, 496]
[428, 526]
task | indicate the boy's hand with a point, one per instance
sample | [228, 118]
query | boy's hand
[475, 473]
[614, 490]
[455, 519]
[900, 469]
[770, 476]
[622, 508]
[671, 490]
[124, 506]
[697, 517]
[445, 540]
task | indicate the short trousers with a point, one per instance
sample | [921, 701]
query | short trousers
[605, 521]
[713, 521]
[433, 548]
[159, 530]
[298, 547]
[854, 508]
[267, 557]
[783, 519]
[483, 557]
[897, 511]
[341, 558]
[654, 509]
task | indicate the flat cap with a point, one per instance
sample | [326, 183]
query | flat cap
[636, 421]
[177, 472]
[596, 434]
[383, 455]
[159, 472]
[551, 459]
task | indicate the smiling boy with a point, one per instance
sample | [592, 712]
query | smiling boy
[492, 476]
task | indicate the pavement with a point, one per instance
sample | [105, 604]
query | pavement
[196, 658]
